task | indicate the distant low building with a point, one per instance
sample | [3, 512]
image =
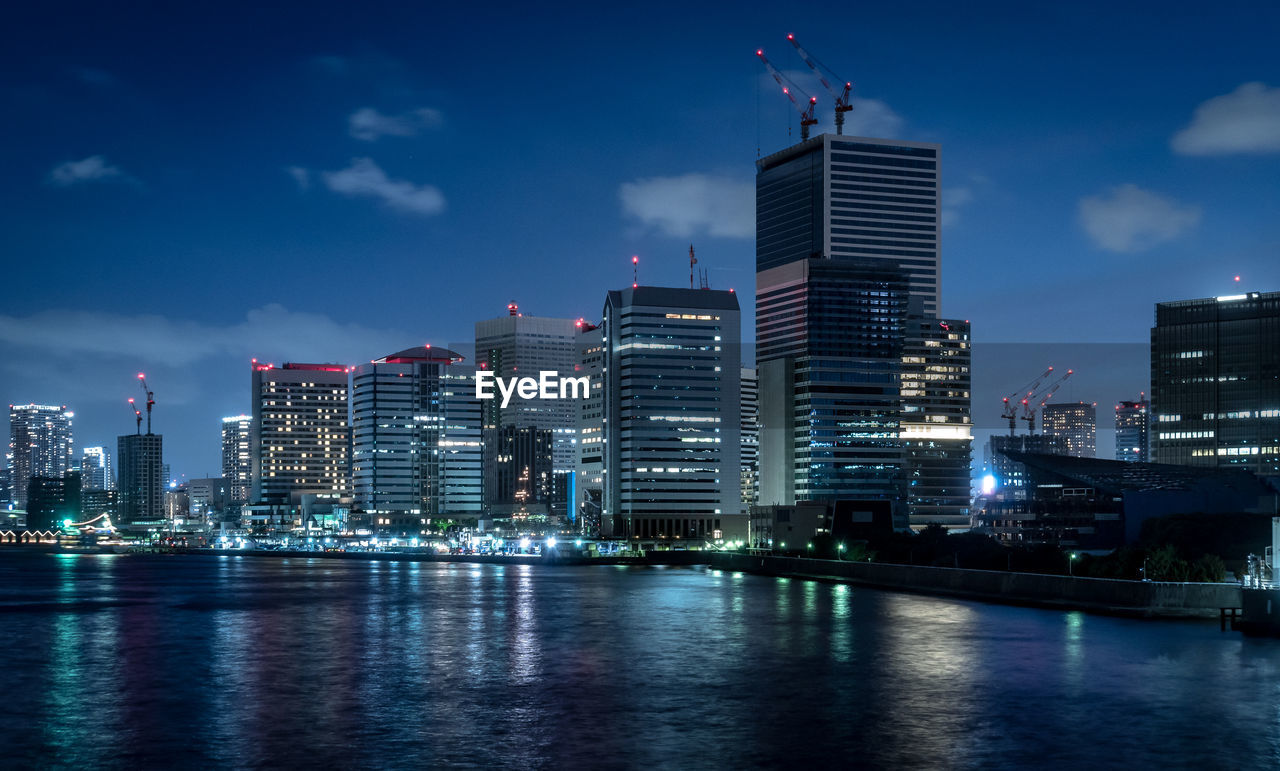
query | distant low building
[1133, 421]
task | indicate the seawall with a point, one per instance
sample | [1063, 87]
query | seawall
[1153, 599]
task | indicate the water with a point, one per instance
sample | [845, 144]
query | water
[130, 661]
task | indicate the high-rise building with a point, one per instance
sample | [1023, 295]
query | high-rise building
[208, 498]
[237, 456]
[95, 465]
[40, 445]
[1133, 424]
[142, 481]
[750, 435]
[829, 344]
[519, 345]
[519, 480]
[1215, 387]
[589, 475]
[1077, 422]
[853, 198]
[936, 429]
[299, 433]
[416, 441]
[53, 500]
[671, 379]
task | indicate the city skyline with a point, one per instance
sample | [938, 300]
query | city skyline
[125, 223]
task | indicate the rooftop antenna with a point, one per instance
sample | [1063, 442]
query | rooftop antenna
[635, 271]
[136, 414]
[151, 399]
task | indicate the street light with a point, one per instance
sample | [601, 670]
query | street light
[840, 548]
[1071, 563]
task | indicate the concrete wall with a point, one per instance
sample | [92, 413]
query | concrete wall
[1152, 598]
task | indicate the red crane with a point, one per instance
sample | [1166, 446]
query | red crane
[137, 414]
[1029, 412]
[806, 113]
[1010, 407]
[151, 399]
[841, 97]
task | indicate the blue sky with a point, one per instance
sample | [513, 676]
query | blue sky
[188, 187]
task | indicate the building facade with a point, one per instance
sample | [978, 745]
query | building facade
[671, 401]
[1076, 422]
[1133, 426]
[829, 346]
[589, 473]
[299, 432]
[40, 445]
[237, 456]
[853, 198]
[937, 430]
[96, 470]
[750, 435]
[518, 345]
[142, 482]
[1215, 382]
[416, 441]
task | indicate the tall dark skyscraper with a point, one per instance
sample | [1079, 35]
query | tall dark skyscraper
[847, 252]
[142, 481]
[936, 431]
[844, 197]
[1215, 382]
[1133, 426]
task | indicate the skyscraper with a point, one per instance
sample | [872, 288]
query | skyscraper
[829, 343]
[416, 441]
[750, 435]
[237, 456]
[1133, 423]
[936, 430]
[1077, 422]
[299, 432]
[853, 198]
[589, 475]
[671, 402]
[518, 345]
[40, 445]
[1215, 391]
[142, 483]
[97, 473]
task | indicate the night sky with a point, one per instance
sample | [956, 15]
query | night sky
[186, 187]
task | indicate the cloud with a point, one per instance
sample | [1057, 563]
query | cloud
[1130, 219]
[953, 199]
[693, 203]
[300, 175]
[367, 124]
[1246, 120]
[871, 118]
[363, 178]
[92, 169]
[269, 331]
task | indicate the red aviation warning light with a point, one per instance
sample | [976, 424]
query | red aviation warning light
[841, 97]
[806, 114]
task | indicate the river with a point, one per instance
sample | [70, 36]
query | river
[134, 660]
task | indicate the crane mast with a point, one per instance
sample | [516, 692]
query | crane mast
[151, 400]
[841, 97]
[1010, 407]
[806, 114]
[1029, 412]
[137, 414]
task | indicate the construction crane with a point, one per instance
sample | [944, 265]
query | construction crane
[1010, 408]
[1029, 412]
[806, 113]
[841, 97]
[136, 414]
[151, 399]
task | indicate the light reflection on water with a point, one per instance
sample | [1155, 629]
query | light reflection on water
[231, 660]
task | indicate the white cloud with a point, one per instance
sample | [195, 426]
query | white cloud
[1246, 120]
[269, 331]
[693, 203]
[367, 124]
[300, 175]
[1130, 219]
[92, 169]
[364, 178]
[871, 118]
[953, 198]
